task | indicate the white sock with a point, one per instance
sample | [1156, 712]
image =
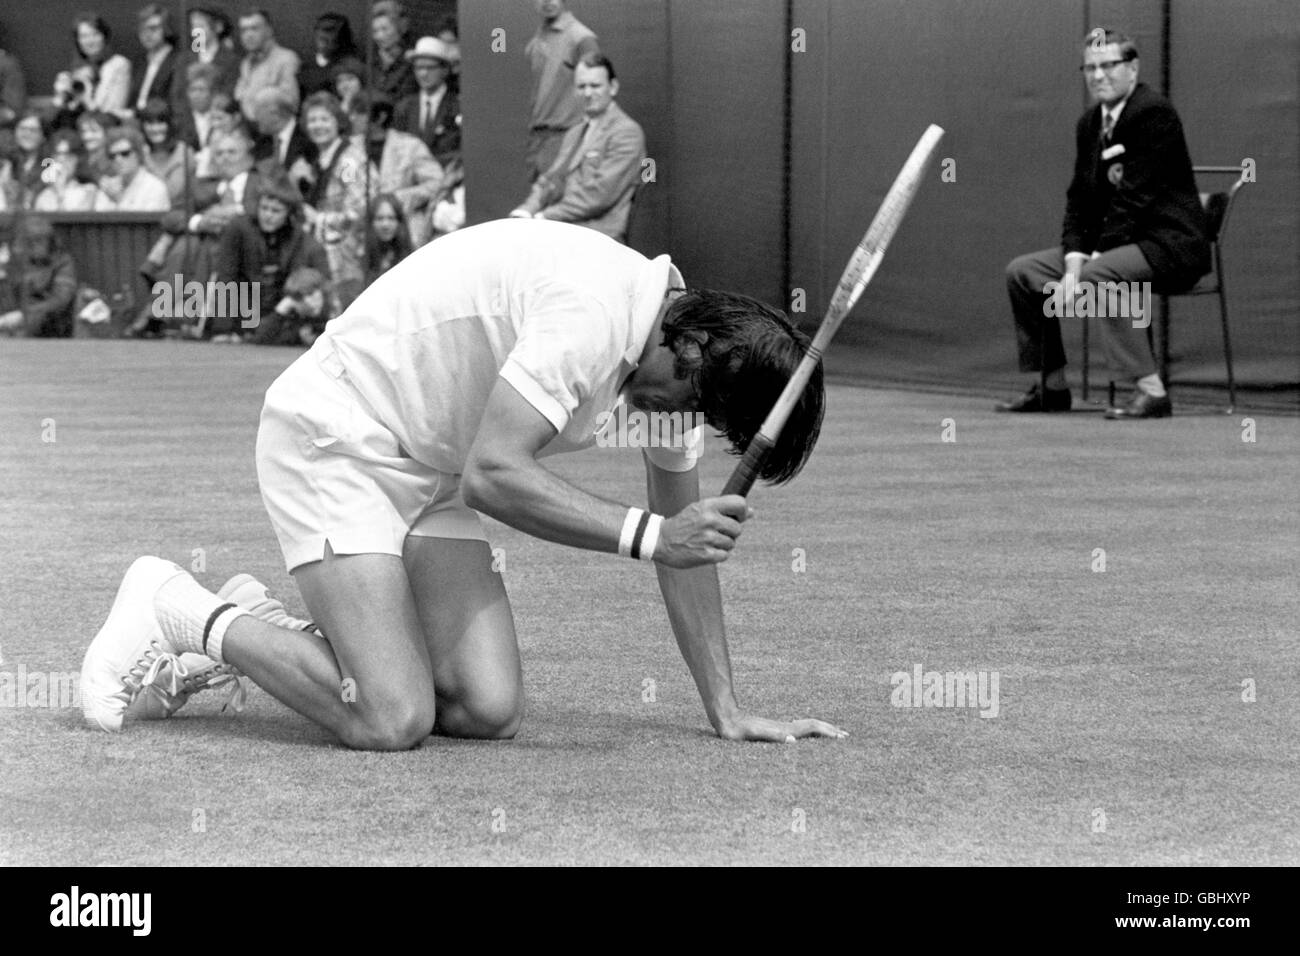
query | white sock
[194, 619]
[1056, 380]
[1151, 385]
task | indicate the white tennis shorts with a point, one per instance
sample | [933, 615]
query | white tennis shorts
[329, 471]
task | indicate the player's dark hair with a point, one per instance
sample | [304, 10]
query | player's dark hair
[747, 352]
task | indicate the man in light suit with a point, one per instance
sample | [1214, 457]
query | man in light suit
[594, 177]
[1132, 216]
[406, 168]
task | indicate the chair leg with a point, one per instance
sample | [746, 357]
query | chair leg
[1162, 360]
[1085, 360]
[1042, 362]
[1227, 347]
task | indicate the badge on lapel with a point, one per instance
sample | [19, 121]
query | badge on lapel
[1115, 173]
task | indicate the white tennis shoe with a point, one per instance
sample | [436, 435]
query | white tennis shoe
[128, 648]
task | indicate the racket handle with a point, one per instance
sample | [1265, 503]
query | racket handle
[751, 463]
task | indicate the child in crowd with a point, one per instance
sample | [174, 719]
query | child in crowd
[389, 239]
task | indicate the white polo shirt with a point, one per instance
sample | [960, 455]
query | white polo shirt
[560, 312]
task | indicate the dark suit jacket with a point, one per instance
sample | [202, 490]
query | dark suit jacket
[186, 130]
[205, 193]
[246, 254]
[443, 135]
[206, 196]
[299, 145]
[163, 83]
[1143, 192]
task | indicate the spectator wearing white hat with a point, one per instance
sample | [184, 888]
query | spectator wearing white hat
[433, 112]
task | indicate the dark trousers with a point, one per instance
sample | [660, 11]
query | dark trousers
[1038, 335]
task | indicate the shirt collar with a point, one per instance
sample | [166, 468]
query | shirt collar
[1118, 108]
[652, 285]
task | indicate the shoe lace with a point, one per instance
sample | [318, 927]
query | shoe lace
[219, 675]
[181, 683]
[237, 699]
[144, 672]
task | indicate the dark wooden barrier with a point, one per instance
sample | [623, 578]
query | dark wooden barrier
[107, 247]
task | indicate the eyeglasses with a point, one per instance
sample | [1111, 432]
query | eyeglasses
[1106, 66]
[120, 153]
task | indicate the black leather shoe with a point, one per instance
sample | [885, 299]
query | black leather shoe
[1142, 406]
[1034, 400]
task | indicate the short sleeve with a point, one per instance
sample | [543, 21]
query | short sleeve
[568, 343]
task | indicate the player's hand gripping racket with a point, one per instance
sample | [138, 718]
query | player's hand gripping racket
[862, 266]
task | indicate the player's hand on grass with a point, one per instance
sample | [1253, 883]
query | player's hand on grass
[704, 532]
[749, 727]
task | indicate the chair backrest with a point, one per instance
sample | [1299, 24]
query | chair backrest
[1218, 205]
[1216, 210]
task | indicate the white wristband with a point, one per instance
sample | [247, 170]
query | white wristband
[630, 524]
[651, 538]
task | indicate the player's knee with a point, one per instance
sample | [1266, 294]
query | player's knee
[493, 715]
[393, 729]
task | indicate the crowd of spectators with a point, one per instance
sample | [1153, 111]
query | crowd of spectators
[263, 164]
[308, 173]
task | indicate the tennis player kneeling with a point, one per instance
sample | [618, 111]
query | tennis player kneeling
[427, 403]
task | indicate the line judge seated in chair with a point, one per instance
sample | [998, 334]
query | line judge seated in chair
[595, 175]
[1132, 216]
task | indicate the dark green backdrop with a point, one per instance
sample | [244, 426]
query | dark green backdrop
[707, 80]
[752, 195]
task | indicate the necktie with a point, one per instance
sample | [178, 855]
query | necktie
[575, 158]
[428, 115]
[1107, 125]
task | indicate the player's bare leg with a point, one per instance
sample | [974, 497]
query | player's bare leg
[364, 603]
[470, 634]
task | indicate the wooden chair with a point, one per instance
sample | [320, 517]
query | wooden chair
[1217, 206]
